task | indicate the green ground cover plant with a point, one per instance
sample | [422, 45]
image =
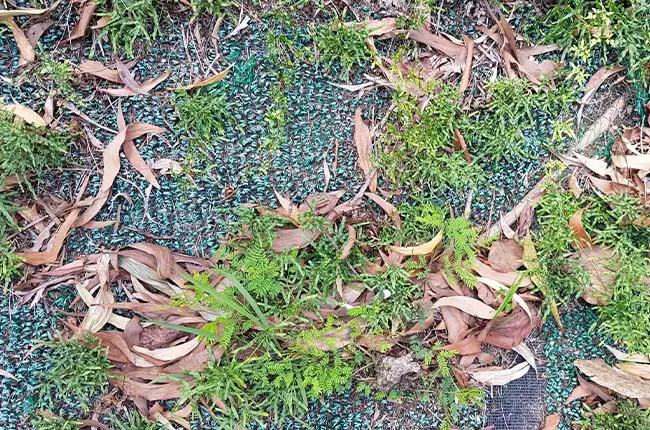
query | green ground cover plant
[627, 416]
[55, 423]
[414, 150]
[615, 225]
[612, 30]
[131, 21]
[342, 44]
[78, 372]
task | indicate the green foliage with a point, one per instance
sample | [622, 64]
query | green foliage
[422, 221]
[497, 131]
[54, 422]
[211, 7]
[131, 21]
[244, 391]
[343, 44]
[414, 149]
[563, 276]
[588, 28]
[132, 420]
[628, 416]
[203, 115]
[29, 150]
[452, 398]
[60, 76]
[78, 372]
[10, 265]
[418, 13]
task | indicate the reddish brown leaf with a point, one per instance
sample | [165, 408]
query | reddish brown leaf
[506, 255]
[84, 21]
[27, 54]
[143, 88]
[50, 256]
[154, 337]
[552, 422]
[352, 238]
[441, 44]
[575, 222]
[96, 68]
[454, 322]
[467, 346]
[510, 330]
[467, 70]
[138, 163]
[35, 32]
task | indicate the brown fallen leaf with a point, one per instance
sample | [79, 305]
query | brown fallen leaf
[441, 44]
[293, 238]
[552, 422]
[468, 305]
[616, 380]
[28, 11]
[507, 279]
[506, 255]
[376, 27]
[27, 54]
[51, 255]
[636, 162]
[143, 88]
[138, 163]
[467, 346]
[25, 113]
[171, 353]
[454, 322]
[501, 376]
[575, 222]
[87, 13]
[37, 30]
[597, 261]
[636, 369]
[363, 142]
[99, 70]
[206, 81]
[622, 356]
[597, 80]
[467, 70]
[148, 391]
[390, 210]
[510, 330]
[111, 157]
[9, 375]
[352, 239]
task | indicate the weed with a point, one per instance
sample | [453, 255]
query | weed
[54, 422]
[415, 148]
[211, 7]
[628, 415]
[78, 372]
[342, 44]
[498, 130]
[585, 28]
[29, 150]
[10, 265]
[131, 21]
[418, 13]
[60, 76]
[202, 115]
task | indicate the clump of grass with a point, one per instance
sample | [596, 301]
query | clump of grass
[10, 265]
[130, 21]
[416, 149]
[54, 422]
[615, 30]
[342, 44]
[203, 116]
[132, 420]
[78, 372]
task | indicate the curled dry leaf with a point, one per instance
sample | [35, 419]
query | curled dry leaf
[143, 88]
[423, 249]
[497, 286]
[616, 380]
[363, 142]
[506, 255]
[148, 391]
[502, 376]
[468, 305]
[87, 13]
[97, 315]
[597, 80]
[171, 353]
[523, 350]
[96, 68]
[507, 279]
[622, 356]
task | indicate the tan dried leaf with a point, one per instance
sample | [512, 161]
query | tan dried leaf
[506, 255]
[468, 305]
[598, 262]
[624, 384]
[502, 376]
[423, 249]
